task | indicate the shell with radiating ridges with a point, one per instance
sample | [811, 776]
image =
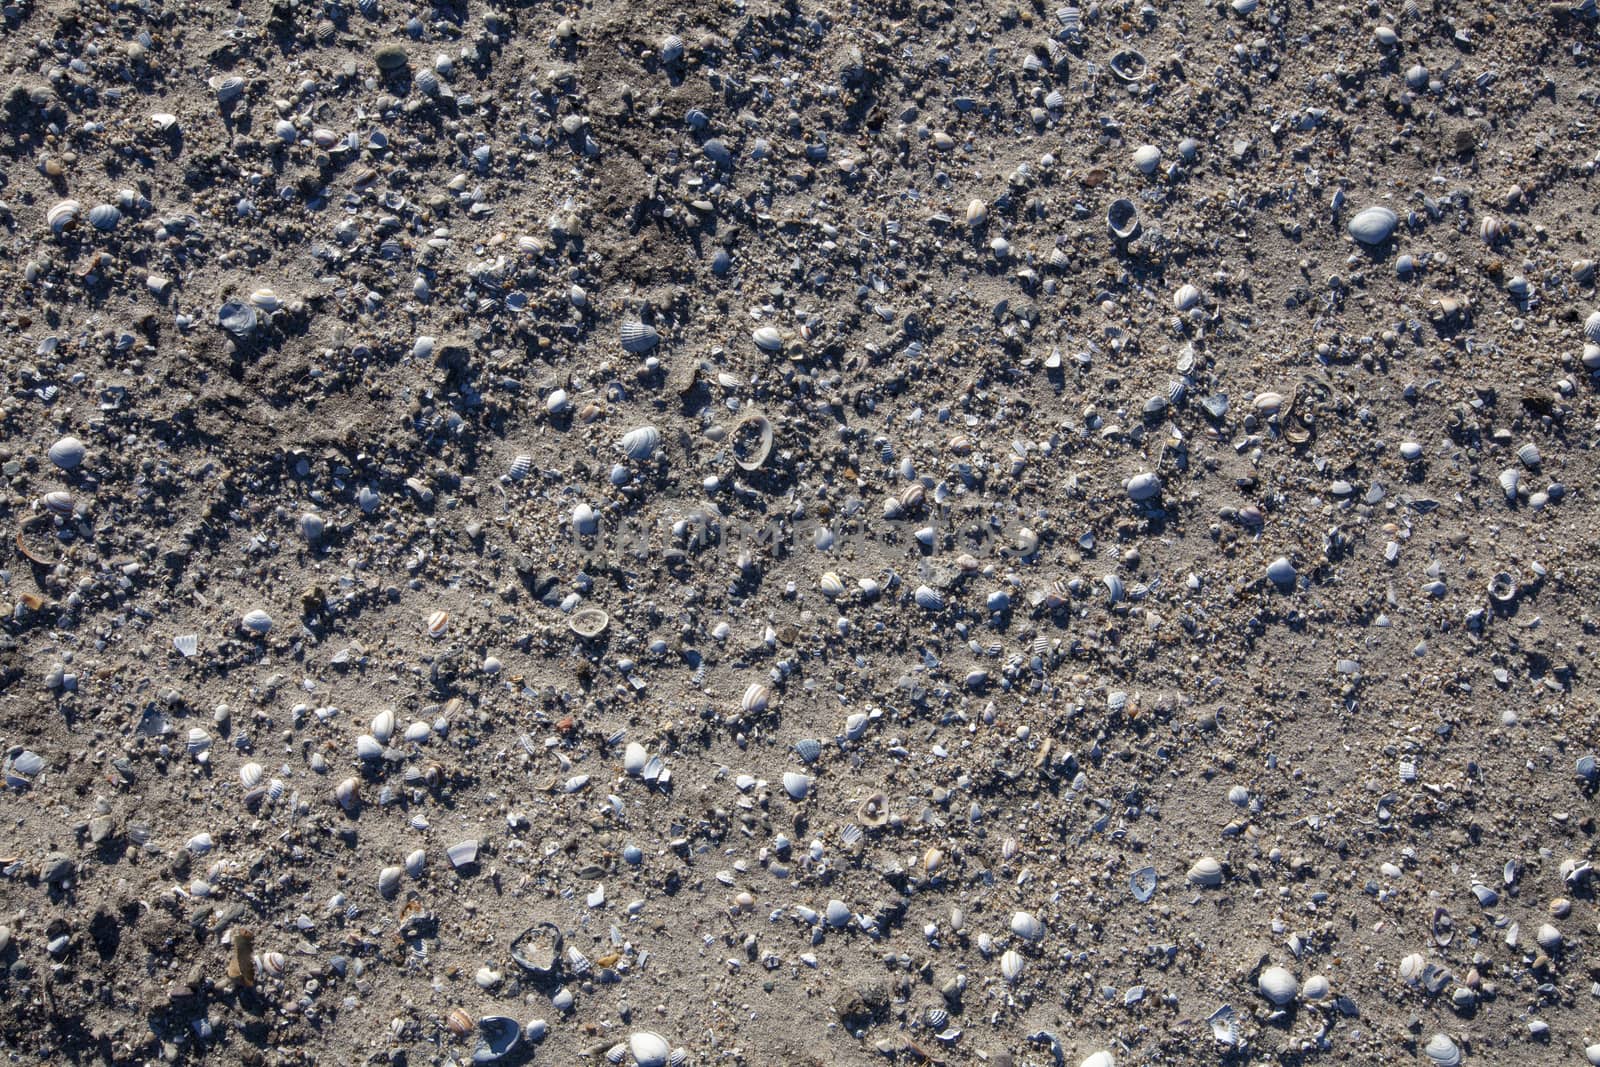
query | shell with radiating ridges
[641, 442]
[1011, 964]
[105, 217]
[928, 598]
[638, 337]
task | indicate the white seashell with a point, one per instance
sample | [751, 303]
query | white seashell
[200, 844]
[649, 1049]
[57, 502]
[585, 520]
[1373, 226]
[1591, 328]
[1442, 1052]
[257, 622]
[638, 337]
[831, 585]
[1206, 872]
[463, 853]
[671, 48]
[250, 775]
[437, 622]
[1186, 297]
[634, 757]
[1098, 1059]
[63, 214]
[1278, 985]
[756, 698]
[273, 963]
[1027, 926]
[640, 444]
[1510, 482]
[162, 121]
[977, 213]
[415, 861]
[1529, 455]
[589, 622]
[104, 217]
[1548, 938]
[928, 598]
[837, 914]
[266, 300]
[367, 747]
[1269, 403]
[1316, 988]
[1011, 963]
[383, 726]
[389, 882]
[68, 453]
[1281, 572]
[855, 724]
[417, 732]
[768, 338]
[1411, 967]
[797, 785]
[808, 749]
[1147, 158]
[1143, 486]
[186, 644]
[348, 794]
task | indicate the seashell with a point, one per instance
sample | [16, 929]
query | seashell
[427, 82]
[250, 775]
[1122, 219]
[1206, 872]
[752, 442]
[1147, 158]
[57, 502]
[200, 844]
[266, 300]
[1315, 989]
[649, 1049]
[1127, 65]
[977, 213]
[1503, 588]
[768, 338]
[1142, 487]
[367, 748]
[1027, 926]
[1548, 938]
[1591, 328]
[873, 811]
[537, 949]
[1411, 967]
[1510, 482]
[1529, 455]
[186, 644]
[1186, 297]
[62, 214]
[634, 758]
[585, 520]
[104, 217]
[1011, 964]
[1442, 1052]
[199, 743]
[383, 725]
[273, 964]
[589, 622]
[617, 1053]
[638, 337]
[228, 89]
[1143, 884]
[348, 794]
[68, 453]
[1101, 1058]
[641, 443]
[670, 48]
[463, 853]
[679, 1057]
[163, 121]
[756, 698]
[928, 598]
[389, 882]
[808, 749]
[831, 585]
[237, 317]
[837, 914]
[458, 1022]
[797, 785]
[437, 622]
[1281, 572]
[498, 1037]
[1373, 225]
[1278, 985]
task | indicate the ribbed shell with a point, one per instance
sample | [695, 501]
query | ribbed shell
[257, 622]
[638, 337]
[104, 217]
[928, 598]
[641, 443]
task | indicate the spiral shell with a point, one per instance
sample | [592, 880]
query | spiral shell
[63, 214]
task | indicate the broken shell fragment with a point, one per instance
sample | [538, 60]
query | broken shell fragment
[752, 442]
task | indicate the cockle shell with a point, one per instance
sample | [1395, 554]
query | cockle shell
[638, 337]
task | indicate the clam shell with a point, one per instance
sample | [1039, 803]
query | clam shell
[1147, 158]
[634, 757]
[1011, 964]
[670, 48]
[1316, 988]
[537, 949]
[1442, 1052]
[638, 337]
[250, 775]
[641, 443]
[68, 453]
[768, 338]
[1510, 482]
[1278, 985]
[1529, 455]
[1143, 884]
[1186, 297]
[589, 622]
[1548, 938]
[837, 914]
[57, 502]
[1373, 225]
[368, 748]
[348, 794]
[104, 217]
[437, 622]
[756, 698]
[1101, 1058]
[1122, 219]
[831, 585]
[186, 644]
[237, 317]
[228, 89]
[266, 300]
[257, 622]
[808, 749]
[1026, 926]
[1127, 65]
[163, 121]
[797, 785]
[498, 1037]
[383, 725]
[873, 811]
[62, 214]
[928, 598]
[1143, 486]
[649, 1049]
[415, 861]
[752, 442]
[389, 882]
[1206, 871]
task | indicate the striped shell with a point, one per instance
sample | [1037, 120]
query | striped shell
[63, 214]
[228, 90]
[756, 698]
[437, 623]
[348, 794]
[1206, 872]
[928, 598]
[273, 963]
[671, 48]
[383, 726]
[250, 775]
[831, 585]
[104, 217]
[520, 467]
[1591, 328]
[1011, 963]
[57, 502]
[415, 862]
[638, 337]
[641, 443]
[1186, 297]
[266, 300]
[186, 644]
[808, 749]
